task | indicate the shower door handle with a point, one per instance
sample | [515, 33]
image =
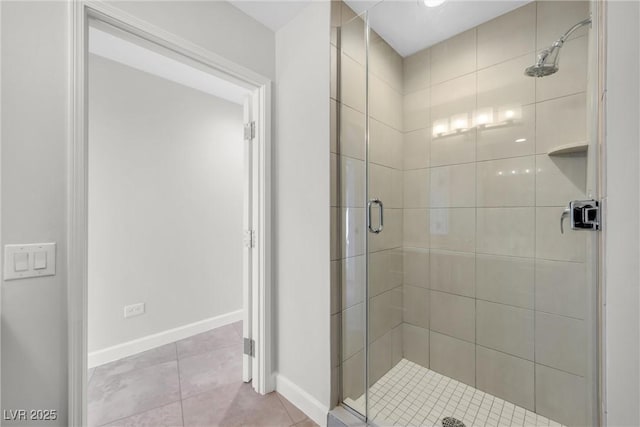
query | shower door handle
[377, 202]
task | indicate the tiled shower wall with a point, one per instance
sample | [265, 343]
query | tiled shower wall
[494, 295]
[349, 200]
[491, 293]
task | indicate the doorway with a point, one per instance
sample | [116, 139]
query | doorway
[127, 219]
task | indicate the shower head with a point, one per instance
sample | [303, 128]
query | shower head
[547, 62]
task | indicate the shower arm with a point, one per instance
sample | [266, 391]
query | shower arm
[546, 53]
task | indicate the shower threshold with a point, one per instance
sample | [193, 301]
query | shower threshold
[412, 395]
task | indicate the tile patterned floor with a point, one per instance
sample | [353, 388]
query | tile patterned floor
[193, 382]
[412, 395]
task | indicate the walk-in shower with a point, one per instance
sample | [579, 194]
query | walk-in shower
[457, 298]
[547, 62]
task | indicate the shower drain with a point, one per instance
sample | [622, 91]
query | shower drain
[452, 422]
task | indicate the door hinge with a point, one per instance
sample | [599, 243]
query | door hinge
[249, 347]
[250, 130]
[249, 238]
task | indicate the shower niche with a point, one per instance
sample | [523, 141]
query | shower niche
[455, 294]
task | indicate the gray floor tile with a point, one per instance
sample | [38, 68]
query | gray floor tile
[155, 356]
[207, 371]
[234, 405]
[165, 416]
[238, 327]
[207, 341]
[113, 397]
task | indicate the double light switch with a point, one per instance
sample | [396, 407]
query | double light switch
[33, 260]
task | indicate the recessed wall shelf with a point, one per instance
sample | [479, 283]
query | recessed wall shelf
[574, 147]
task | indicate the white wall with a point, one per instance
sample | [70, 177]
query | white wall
[165, 204]
[35, 86]
[622, 202]
[301, 165]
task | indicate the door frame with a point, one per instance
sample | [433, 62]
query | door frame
[81, 11]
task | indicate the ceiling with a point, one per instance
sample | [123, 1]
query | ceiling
[271, 14]
[134, 55]
[409, 26]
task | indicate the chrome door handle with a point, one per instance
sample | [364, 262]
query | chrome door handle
[381, 210]
[565, 213]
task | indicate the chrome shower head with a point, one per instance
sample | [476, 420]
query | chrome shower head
[547, 62]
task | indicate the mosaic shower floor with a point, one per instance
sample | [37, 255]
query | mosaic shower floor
[412, 395]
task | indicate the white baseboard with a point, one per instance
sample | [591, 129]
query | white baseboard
[303, 400]
[109, 354]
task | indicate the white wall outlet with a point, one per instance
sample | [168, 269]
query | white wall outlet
[133, 310]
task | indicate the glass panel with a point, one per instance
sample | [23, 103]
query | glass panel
[349, 53]
[480, 309]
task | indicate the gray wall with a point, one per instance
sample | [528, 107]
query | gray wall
[35, 87]
[165, 204]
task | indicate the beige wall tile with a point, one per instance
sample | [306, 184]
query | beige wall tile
[416, 228]
[416, 267]
[416, 188]
[453, 315]
[353, 280]
[385, 313]
[516, 138]
[336, 324]
[391, 236]
[507, 377]
[352, 133]
[385, 271]
[453, 186]
[453, 272]
[453, 149]
[452, 229]
[452, 357]
[333, 178]
[352, 83]
[416, 110]
[333, 143]
[561, 343]
[379, 357]
[556, 17]
[505, 328]
[336, 286]
[415, 302]
[572, 77]
[415, 344]
[385, 103]
[352, 179]
[417, 71]
[385, 145]
[506, 231]
[504, 86]
[352, 35]
[453, 57]
[352, 234]
[560, 179]
[396, 344]
[507, 36]
[505, 279]
[561, 288]
[507, 182]
[385, 62]
[333, 85]
[453, 97]
[335, 248]
[353, 376]
[561, 396]
[561, 121]
[416, 148]
[551, 244]
[353, 332]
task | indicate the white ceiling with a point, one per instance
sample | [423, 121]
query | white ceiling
[129, 53]
[409, 26]
[272, 14]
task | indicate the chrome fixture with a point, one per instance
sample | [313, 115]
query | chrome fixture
[584, 215]
[380, 226]
[547, 62]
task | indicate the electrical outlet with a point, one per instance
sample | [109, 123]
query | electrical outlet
[134, 310]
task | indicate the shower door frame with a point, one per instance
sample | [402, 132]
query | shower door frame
[80, 12]
[596, 91]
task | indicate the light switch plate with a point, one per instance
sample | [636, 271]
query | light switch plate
[14, 260]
